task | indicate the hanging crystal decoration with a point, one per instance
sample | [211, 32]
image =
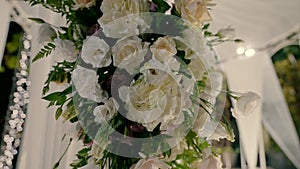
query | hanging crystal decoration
[16, 112]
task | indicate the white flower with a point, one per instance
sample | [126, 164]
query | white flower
[193, 10]
[128, 25]
[246, 104]
[65, 49]
[163, 48]
[95, 52]
[200, 55]
[106, 111]
[152, 103]
[150, 163]
[79, 4]
[86, 84]
[46, 32]
[114, 9]
[129, 53]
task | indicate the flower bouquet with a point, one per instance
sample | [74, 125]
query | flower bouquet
[142, 81]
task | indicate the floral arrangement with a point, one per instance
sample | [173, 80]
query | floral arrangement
[142, 79]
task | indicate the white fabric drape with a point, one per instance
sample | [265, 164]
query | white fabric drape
[4, 25]
[277, 118]
[42, 143]
[247, 78]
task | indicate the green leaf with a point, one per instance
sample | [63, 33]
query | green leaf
[175, 12]
[52, 97]
[206, 26]
[68, 90]
[45, 51]
[61, 100]
[162, 6]
[37, 20]
[56, 165]
[238, 41]
[45, 89]
[58, 113]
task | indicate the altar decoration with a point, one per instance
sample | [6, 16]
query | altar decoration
[142, 82]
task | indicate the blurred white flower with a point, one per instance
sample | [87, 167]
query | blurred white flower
[65, 49]
[193, 10]
[246, 104]
[163, 48]
[106, 111]
[95, 51]
[150, 163]
[154, 100]
[86, 84]
[129, 53]
[46, 32]
[114, 9]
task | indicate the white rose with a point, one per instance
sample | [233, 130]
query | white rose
[65, 49]
[150, 163]
[153, 103]
[164, 48]
[129, 53]
[126, 26]
[95, 52]
[106, 111]
[114, 9]
[194, 11]
[246, 104]
[86, 84]
[46, 32]
[144, 104]
[79, 4]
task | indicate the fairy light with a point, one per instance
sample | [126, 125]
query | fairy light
[16, 112]
[250, 52]
[240, 50]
